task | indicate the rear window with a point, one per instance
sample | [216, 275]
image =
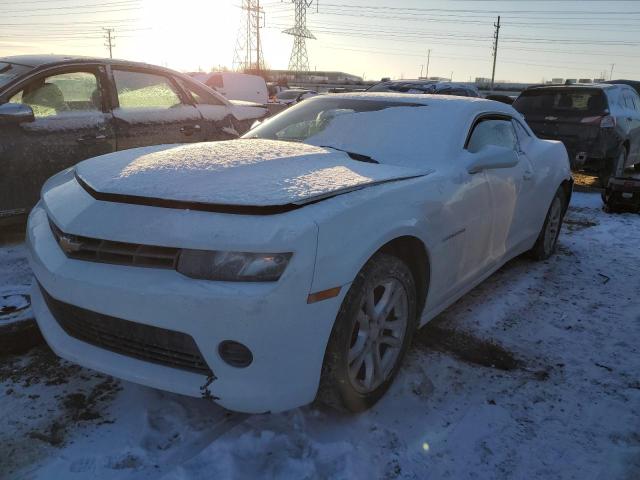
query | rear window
[562, 102]
[10, 71]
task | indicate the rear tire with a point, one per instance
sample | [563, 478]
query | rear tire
[371, 334]
[547, 240]
[615, 169]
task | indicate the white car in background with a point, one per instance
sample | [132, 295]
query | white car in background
[235, 85]
[297, 261]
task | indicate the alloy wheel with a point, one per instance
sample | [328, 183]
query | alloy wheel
[378, 334]
[554, 223]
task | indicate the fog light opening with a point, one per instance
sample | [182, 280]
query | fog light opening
[235, 354]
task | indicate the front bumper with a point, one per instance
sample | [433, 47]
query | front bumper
[286, 335]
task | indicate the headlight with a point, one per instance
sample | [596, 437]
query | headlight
[233, 266]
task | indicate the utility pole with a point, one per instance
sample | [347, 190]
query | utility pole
[109, 39]
[496, 36]
[611, 74]
[421, 68]
[428, 60]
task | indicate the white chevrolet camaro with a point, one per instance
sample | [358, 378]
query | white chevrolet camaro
[295, 262]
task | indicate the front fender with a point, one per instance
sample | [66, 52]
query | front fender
[352, 228]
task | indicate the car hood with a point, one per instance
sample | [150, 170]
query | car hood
[244, 172]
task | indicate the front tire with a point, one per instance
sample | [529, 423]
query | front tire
[371, 335]
[546, 243]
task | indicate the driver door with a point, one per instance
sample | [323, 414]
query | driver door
[72, 123]
[508, 186]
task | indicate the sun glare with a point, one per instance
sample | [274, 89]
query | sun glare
[197, 34]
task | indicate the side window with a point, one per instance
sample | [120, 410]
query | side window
[492, 131]
[144, 90]
[200, 95]
[630, 100]
[522, 135]
[65, 92]
[636, 100]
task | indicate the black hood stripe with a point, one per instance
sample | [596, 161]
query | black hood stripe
[186, 205]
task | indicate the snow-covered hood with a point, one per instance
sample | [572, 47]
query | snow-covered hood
[245, 172]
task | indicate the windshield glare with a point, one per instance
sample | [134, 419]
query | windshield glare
[9, 71]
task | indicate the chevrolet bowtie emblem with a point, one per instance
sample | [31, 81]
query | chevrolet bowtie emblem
[68, 245]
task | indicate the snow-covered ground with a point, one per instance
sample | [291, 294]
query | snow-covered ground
[533, 375]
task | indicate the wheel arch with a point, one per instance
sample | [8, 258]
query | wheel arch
[567, 188]
[413, 252]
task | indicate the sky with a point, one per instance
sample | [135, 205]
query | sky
[539, 40]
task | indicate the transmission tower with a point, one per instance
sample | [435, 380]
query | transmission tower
[247, 55]
[299, 61]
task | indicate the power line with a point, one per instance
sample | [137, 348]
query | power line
[72, 13]
[77, 7]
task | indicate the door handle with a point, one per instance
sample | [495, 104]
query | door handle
[527, 175]
[92, 138]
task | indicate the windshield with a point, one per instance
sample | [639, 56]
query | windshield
[9, 71]
[562, 102]
[387, 131]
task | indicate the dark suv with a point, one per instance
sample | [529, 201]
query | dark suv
[599, 124]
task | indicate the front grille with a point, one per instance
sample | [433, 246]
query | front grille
[152, 344]
[119, 253]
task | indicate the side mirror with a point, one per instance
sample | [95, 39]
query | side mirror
[491, 157]
[15, 113]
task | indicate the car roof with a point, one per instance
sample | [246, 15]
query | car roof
[436, 83]
[603, 86]
[466, 104]
[46, 60]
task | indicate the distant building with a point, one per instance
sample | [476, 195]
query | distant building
[315, 76]
[585, 80]
[482, 81]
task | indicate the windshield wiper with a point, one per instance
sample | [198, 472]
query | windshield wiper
[354, 156]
